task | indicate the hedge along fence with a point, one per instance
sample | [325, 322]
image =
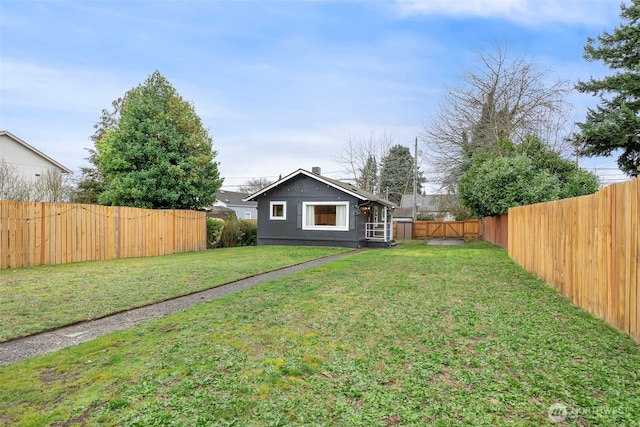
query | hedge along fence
[589, 248]
[35, 233]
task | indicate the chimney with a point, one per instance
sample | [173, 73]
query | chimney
[315, 170]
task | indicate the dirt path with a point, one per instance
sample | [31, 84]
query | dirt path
[50, 341]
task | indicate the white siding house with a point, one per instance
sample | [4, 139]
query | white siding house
[25, 159]
[27, 174]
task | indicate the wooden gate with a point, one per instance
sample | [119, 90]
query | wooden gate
[446, 229]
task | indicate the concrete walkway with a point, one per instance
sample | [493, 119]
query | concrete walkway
[445, 242]
[66, 336]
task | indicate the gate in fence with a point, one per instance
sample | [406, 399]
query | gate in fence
[437, 229]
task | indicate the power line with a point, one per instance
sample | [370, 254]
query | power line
[271, 176]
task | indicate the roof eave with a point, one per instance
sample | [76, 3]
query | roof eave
[35, 150]
[319, 178]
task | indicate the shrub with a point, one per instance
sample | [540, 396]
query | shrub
[239, 233]
[426, 217]
[229, 238]
[579, 183]
[249, 233]
[215, 227]
[494, 184]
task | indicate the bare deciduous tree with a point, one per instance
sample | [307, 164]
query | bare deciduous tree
[503, 97]
[48, 187]
[13, 186]
[451, 204]
[360, 153]
[6, 180]
[253, 185]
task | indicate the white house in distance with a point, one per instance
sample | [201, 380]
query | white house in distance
[26, 160]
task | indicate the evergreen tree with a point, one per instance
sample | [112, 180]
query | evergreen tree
[396, 174]
[89, 186]
[368, 179]
[615, 123]
[90, 183]
[158, 155]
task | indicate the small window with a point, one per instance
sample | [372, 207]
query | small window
[247, 215]
[278, 210]
[331, 216]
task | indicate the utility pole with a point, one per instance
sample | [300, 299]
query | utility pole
[415, 181]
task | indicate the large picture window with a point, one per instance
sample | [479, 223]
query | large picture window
[325, 216]
[278, 210]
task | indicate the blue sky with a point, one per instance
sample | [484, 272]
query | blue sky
[280, 85]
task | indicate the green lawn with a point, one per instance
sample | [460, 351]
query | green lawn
[39, 298]
[414, 336]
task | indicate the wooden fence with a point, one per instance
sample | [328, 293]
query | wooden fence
[589, 248]
[35, 233]
[441, 229]
[495, 229]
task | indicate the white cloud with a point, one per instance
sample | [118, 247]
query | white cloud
[71, 89]
[272, 152]
[279, 85]
[54, 108]
[527, 12]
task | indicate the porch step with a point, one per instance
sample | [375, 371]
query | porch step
[372, 243]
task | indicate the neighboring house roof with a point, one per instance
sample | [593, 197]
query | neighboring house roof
[424, 202]
[403, 212]
[220, 212]
[63, 168]
[233, 198]
[339, 185]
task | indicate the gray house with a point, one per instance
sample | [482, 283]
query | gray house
[429, 206]
[308, 209]
[235, 201]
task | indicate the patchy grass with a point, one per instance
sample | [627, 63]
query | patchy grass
[414, 336]
[40, 298]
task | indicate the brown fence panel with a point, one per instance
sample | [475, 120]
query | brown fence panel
[588, 248]
[495, 229]
[471, 228]
[35, 233]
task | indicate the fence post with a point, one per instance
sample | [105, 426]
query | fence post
[613, 292]
[117, 233]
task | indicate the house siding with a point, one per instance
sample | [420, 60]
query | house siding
[26, 162]
[234, 201]
[242, 211]
[289, 232]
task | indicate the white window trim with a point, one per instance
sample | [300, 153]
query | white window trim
[324, 227]
[284, 211]
[247, 215]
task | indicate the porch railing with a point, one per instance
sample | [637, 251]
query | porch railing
[379, 230]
